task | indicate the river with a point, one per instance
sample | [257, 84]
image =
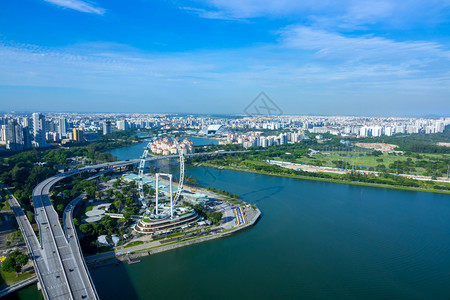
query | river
[314, 240]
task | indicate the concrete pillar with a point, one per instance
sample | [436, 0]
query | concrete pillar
[171, 196]
[157, 192]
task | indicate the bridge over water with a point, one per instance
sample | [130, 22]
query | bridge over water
[57, 257]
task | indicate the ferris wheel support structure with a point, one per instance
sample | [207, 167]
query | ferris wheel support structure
[141, 169]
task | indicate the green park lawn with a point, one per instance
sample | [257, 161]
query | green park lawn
[7, 278]
[359, 159]
[132, 244]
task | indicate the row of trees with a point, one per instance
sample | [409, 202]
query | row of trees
[222, 192]
[258, 166]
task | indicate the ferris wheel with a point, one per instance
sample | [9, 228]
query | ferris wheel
[141, 169]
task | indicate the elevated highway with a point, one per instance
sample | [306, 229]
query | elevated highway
[33, 246]
[63, 267]
[58, 260]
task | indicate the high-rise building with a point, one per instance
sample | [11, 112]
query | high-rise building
[122, 125]
[77, 134]
[388, 131]
[376, 131]
[440, 126]
[27, 138]
[107, 127]
[364, 131]
[3, 133]
[26, 122]
[62, 126]
[283, 139]
[50, 126]
[14, 136]
[39, 130]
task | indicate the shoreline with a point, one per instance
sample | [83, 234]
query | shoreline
[368, 184]
[125, 257]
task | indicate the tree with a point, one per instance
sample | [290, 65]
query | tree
[90, 191]
[377, 153]
[30, 216]
[116, 183]
[66, 194]
[129, 201]
[116, 204]
[126, 190]
[122, 221]
[86, 228]
[109, 192]
[215, 217]
[104, 179]
[22, 259]
[148, 190]
[119, 196]
[14, 262]
[132, 184]
[9, 264]
[99, 194]
[60, 207]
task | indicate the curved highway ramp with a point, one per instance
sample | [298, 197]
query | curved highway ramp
[57, 257]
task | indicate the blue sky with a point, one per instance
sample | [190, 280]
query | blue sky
[347, 57]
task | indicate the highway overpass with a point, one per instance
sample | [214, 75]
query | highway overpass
[57, 257]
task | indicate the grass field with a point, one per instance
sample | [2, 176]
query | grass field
[132, 244]
[333, 179]
[5, 205]
[10, 278]
[366, 161]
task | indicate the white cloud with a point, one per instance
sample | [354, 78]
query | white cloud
[304, 57]
[208, 14]
[92, 66]
[345, 14]
[364, 49]
[258, 8]
[78, 5]
[308, 62]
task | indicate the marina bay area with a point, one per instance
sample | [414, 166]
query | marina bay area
[123, 196]
[217, 149]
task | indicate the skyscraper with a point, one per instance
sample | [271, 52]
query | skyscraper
[122, 125]
[39, 130]
[62, 127]
[14, 136]
[78, 134]
[107, 127]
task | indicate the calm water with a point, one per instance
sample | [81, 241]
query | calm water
[315, 240]
[136, 151]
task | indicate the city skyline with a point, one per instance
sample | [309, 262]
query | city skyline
[160, 132]
[230, 115]
[365, 58]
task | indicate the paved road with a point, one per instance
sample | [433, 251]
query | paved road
[32, 243]
[57, 259]
[64, 267]
[72, 238]
[112, 254]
